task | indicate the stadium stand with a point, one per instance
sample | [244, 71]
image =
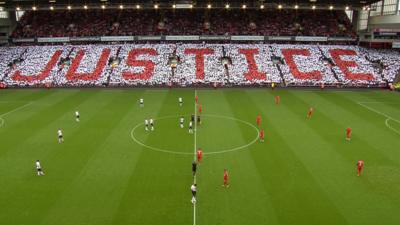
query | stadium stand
[197, 64]
[78, 23]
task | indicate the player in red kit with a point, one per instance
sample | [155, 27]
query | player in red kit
[360, 166]
[199, 155]
[310, 113]
[348, 134]
[262, 135]
[197, 99]
[226, 176]
[277, 99]
[200, 109]
[258, 120]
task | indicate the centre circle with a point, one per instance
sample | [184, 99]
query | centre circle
[213, 135]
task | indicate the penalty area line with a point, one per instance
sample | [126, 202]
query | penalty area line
[16, 109]
[377, 102]
[2, 121]
[390, 127]
[388, 118]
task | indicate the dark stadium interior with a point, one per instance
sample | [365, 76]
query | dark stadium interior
[285, 22]
[198, 3]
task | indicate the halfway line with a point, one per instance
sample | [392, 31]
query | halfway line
[194, 156]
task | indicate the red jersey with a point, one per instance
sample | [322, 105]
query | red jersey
[258, 120]
[226, 175]
[277, 99]
[199, 154]
[200, 109]
[197, 99]
[310, 111]
[348, 131]
[262, 134]
[360, 164]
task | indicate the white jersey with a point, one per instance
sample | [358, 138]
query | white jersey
[146, 122]
[180, 100]
[141, 101]
[59, 133]
[190, 124]
[77, 114]
[38, 166]
[193, 188]
[182, 119]
[151, 121]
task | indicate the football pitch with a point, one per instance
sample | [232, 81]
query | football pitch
[111, 171]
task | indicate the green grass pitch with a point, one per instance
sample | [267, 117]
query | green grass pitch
[110, 171]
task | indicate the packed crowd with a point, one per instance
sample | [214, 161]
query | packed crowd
[303, 65]
[197, 64]
[388, 64]
[285, 22]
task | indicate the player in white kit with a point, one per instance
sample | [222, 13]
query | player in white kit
[141, 102]
[146, 123]
[60, 136]
[181, 121]
[39, 168]
[190, 127]
[151, 124]
[77, 116]
[180, 101]
[193, 188]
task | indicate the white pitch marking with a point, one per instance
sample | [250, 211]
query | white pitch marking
[382, 114]
[154, 148]
[390, 127]
[189, 153]
[376, 111]
[194, 156]
[2, 102]
[12, 111]
[392, 103]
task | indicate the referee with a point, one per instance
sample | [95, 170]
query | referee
[198, 120]
[194, 168]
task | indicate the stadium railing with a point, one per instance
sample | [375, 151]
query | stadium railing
[174, 38]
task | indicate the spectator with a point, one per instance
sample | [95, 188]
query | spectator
[198, 64]
[113, 22]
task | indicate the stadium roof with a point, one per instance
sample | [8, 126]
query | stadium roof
[12, 4]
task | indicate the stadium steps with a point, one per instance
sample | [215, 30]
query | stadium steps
[226, 67]
[377, 64]
[111, 67]
[226, 72]
[173, 62]
[281, 74]
[14, 62]
[331, 63]
[277, 65]
[172, 74]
